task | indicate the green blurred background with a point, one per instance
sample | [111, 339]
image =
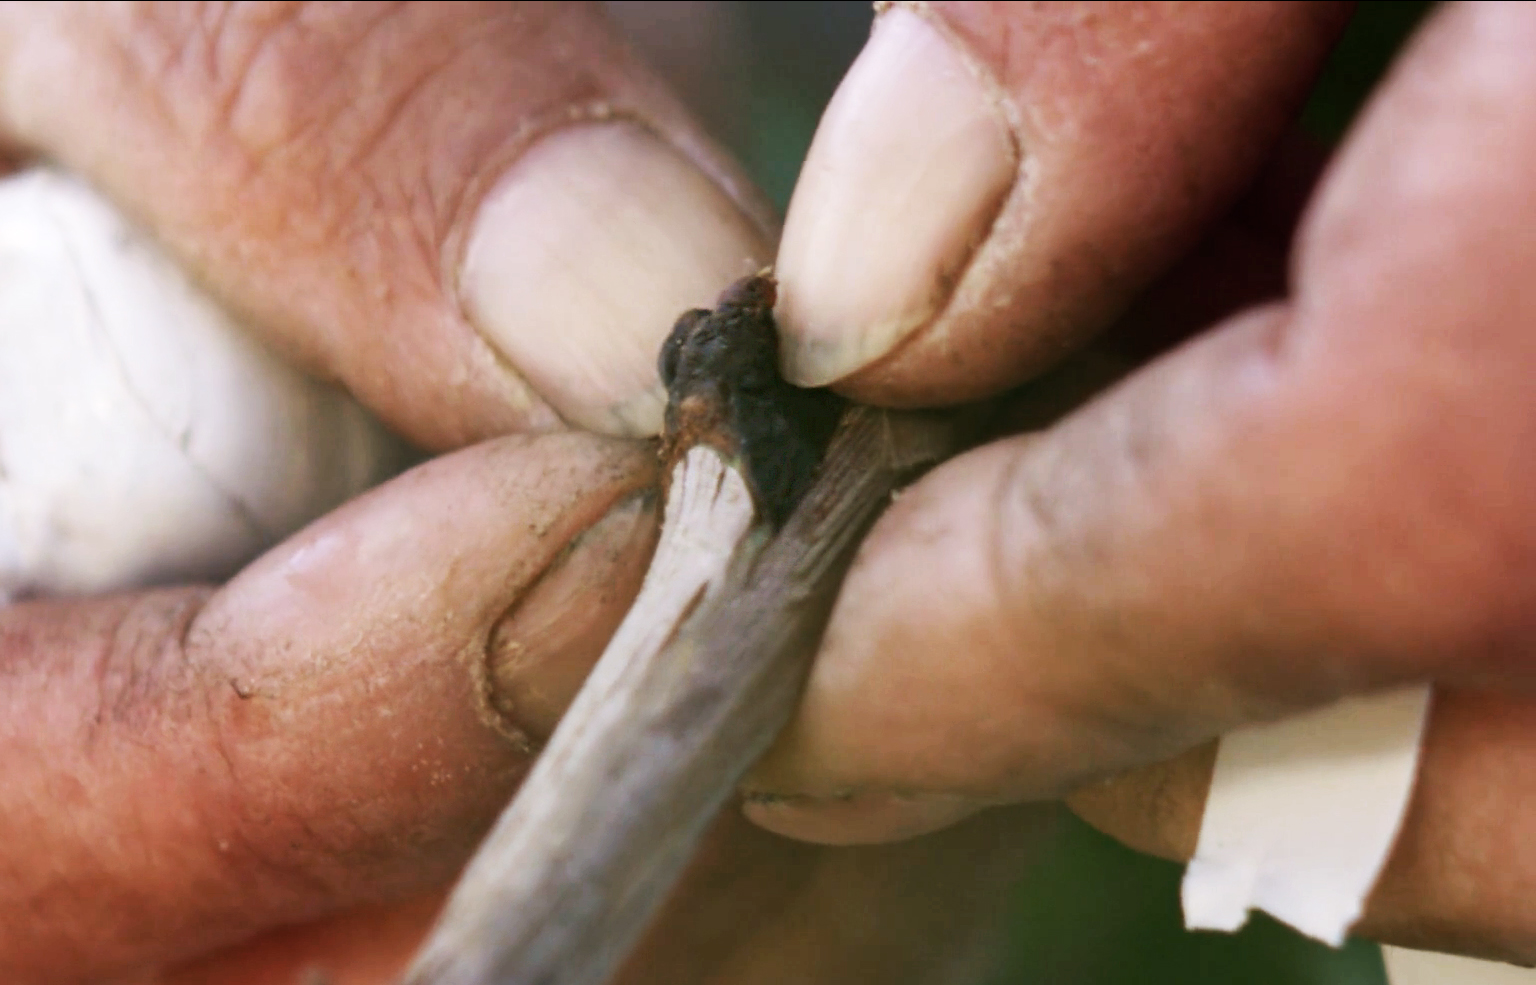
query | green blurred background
[1091, 912]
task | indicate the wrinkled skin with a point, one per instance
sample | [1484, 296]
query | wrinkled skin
[1317, 495]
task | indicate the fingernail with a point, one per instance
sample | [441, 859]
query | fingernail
[857, 818]
[542, 648]
[583, 256]
[908, 168]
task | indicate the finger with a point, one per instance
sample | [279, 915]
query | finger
[1320, 497]
[339, 724]
[1462, 867]
[479, 217]
[992, 182]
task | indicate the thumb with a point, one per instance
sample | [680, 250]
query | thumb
[338, 725]
[992, 182]
[479, 217]
[1319, 497]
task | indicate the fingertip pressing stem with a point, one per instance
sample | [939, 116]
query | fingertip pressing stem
[700, 677]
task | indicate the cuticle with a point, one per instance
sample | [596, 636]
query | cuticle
[1011, 125]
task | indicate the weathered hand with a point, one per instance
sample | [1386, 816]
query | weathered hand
[481, 220]
[1317, 496]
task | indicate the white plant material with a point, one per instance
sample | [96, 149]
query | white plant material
[553, 829]
[144, 437]
[1302, 815]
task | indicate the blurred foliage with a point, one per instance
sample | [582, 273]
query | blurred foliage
[758, 74]
[1095, 913]
[1091, 912]
[789, 54]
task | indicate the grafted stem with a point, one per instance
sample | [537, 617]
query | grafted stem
[703, 672]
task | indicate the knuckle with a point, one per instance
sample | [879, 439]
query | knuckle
[329, 106]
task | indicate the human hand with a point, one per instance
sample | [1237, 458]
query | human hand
[481, 220]
[1317, 496]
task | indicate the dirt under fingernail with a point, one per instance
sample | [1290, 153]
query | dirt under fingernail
[537, 655]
